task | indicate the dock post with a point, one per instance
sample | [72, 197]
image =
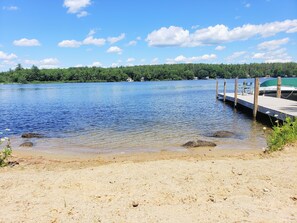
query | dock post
[224, 90]
[256, 96]
[279, 83]
[235, 91]
[217, 88]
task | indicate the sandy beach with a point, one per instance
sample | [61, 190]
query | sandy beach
[205, 186]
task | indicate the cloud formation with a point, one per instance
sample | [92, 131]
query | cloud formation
[69, 43]
[220, 48]
[218, 34]
[26, 42]
[44, 63]
[114, 49]
[274, 56]
[183, 59]
[77, 7]
[5, 56]
[90, 40]
[273, 44]
[10, 8]
[113, 40]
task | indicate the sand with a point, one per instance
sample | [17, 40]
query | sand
[209, 186]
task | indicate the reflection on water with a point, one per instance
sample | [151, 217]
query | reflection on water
[104, 117]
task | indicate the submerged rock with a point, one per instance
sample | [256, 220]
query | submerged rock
[27, 144]
[32, 135]
[224, 134]
[199, 143]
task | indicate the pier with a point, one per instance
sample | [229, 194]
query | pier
[276, 107]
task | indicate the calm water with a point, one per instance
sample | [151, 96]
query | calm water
[121, 117]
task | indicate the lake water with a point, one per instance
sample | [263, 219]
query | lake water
[123, 117]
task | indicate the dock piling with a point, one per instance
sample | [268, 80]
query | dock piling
[217, 88]
[224, 90]
[279, 83]
[235, 91]
[256, 96]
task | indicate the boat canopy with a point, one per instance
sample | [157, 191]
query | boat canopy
[292, 82]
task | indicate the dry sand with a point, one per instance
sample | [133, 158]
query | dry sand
[209, 186]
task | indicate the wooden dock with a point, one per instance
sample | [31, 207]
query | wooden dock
[274, 107]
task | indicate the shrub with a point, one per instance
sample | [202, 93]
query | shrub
[282, 134]
[6, 151]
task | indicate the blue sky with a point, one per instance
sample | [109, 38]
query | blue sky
[108, 33]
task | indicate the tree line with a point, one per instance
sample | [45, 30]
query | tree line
[148, 72]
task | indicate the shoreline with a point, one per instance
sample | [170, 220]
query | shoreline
[200, 153]
[209, 186]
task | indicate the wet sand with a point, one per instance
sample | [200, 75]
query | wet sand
[204, 185]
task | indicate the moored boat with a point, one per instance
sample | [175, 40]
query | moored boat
[288, 88]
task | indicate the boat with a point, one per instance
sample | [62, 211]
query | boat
[129, 79]
[288, 88]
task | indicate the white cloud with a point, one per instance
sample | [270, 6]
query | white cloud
[26, 42]
[96, 64]
[236, 55]
[92, 32]
[172, 36]
[278, 55]
[10, 8]
[218, 34]
[5, 56]
[114, 49]
[49, 61]
[77, 6]
[90, 40]
[219, 48]
[69, 43]
[183, 59]
[113, 40]
[130, 60]
[132, 43]
[82, 14]
[273, 44]
[44, 63]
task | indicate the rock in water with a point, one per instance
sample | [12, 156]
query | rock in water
[224, 134]
[27, 144]
[32, 135]
[199, 143]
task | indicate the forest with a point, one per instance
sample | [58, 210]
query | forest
[147, 72]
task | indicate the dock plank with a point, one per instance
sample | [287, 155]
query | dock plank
[277, 107]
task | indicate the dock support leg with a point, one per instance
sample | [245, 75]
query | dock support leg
[256, 96]
[217, 89]
[235, 91]
[279, 83]
[224, 90]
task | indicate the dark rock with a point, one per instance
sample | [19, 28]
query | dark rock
[32, 135]
[12, 163]
[134, 204]
[224, 134]
[199, 143]
[27, 144]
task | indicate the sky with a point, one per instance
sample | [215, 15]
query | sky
[111, 33]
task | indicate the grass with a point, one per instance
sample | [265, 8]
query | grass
[282, 135]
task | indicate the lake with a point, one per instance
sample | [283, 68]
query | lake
[123, 117]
